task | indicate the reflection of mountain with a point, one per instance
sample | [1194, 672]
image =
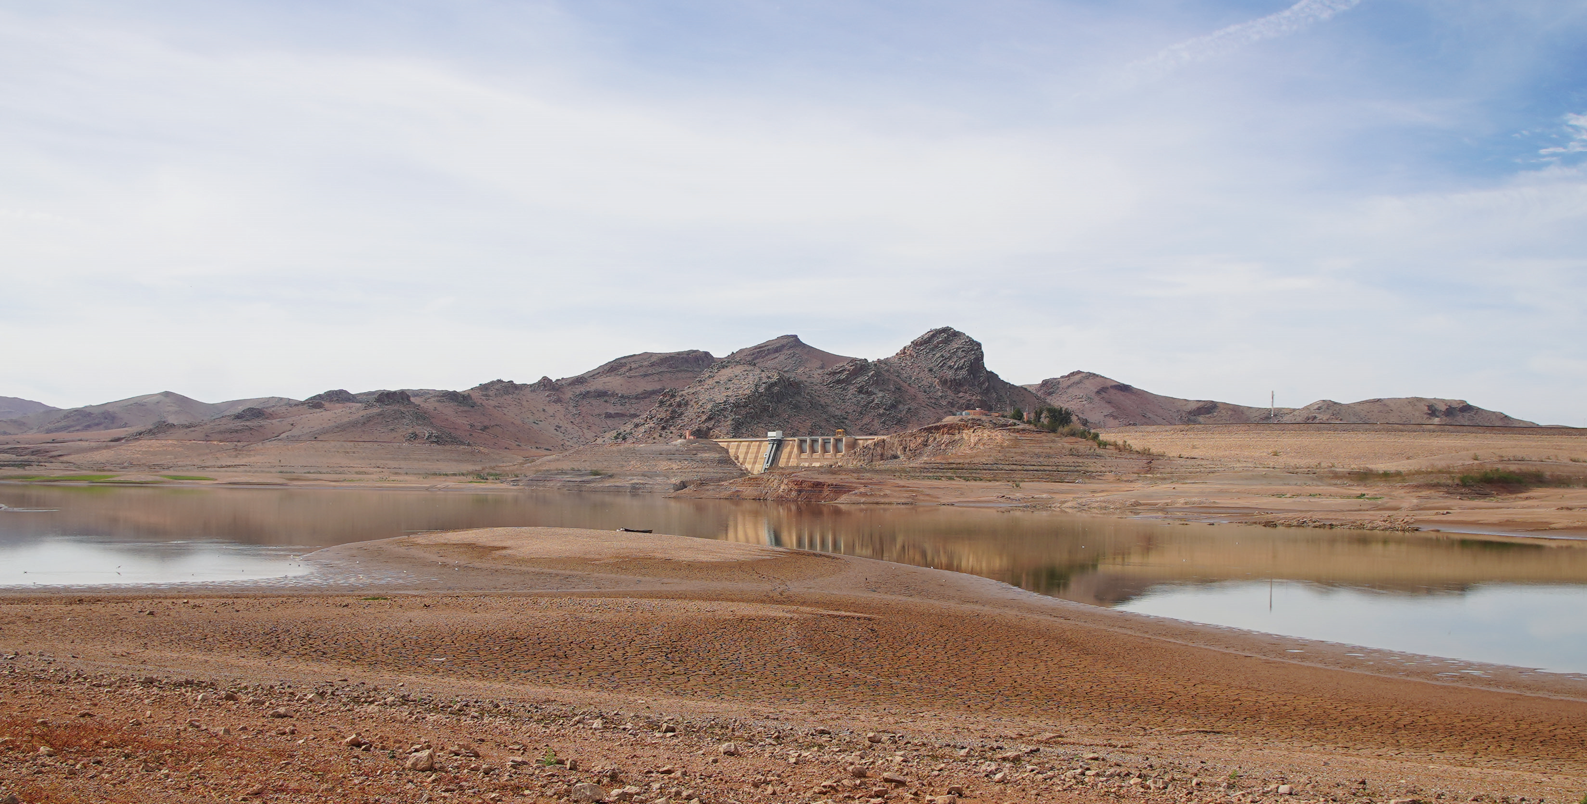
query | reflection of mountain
[1100, 561]
[1107, 562]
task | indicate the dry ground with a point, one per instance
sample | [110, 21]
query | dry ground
[639, 657]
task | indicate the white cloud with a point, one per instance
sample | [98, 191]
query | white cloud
[1576, 129]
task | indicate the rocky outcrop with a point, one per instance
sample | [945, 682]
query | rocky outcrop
[785, 384]
[334, 396]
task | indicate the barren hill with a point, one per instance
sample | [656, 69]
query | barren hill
[138, 411]
[785, 384]
[12, 407]
[1107, 403]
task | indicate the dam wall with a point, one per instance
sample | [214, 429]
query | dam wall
[758, 455]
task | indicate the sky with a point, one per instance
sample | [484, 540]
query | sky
[1338, 199]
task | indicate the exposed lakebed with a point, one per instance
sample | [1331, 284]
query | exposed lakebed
[1495, 600]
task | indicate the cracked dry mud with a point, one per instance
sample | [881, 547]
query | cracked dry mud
[565, 665]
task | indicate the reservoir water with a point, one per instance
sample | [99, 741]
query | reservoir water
[1500, 600]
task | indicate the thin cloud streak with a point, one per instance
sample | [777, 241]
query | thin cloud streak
[1298, 17]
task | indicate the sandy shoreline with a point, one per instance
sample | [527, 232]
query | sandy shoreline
[737, 643]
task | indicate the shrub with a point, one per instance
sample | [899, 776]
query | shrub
[1503, 477]
[1054, 419]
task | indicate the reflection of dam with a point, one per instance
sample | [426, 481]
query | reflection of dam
[757, 455]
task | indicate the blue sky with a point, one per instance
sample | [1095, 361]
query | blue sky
[1328, 199]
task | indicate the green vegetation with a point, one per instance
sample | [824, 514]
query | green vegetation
[77, 478]
[1503, 478]
[374, 597]
[597, 473]
[1016, 414]
[186, 477]
[549, 759]
[1053, 419]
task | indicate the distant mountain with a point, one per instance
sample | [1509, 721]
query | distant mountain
[540, 417]
[785, 384]
[782, 384]
[1106, 403]
[12, 407]
[136, 412]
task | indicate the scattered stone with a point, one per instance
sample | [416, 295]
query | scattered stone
[948, 799]
[230, 696]
[873, 737]
[858, 772]
[280, 713]
[1286, 790]
[729, 749]
[956, 790]
[422, 761]
[893, 778]
[354, 741]
[584, 792]
[46, 751]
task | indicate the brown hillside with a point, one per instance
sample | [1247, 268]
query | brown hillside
[12, 407]
[1107, 403]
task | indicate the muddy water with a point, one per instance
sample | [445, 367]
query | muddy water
[1467, 597]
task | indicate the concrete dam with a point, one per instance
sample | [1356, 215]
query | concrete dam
[757, 455]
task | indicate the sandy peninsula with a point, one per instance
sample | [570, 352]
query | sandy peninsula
[528, 664]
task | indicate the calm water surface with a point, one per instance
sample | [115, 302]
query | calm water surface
[1465, 597]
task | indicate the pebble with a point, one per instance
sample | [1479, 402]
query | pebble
[354, 741]
[873, 737]
[729, 749]
[948, 799]
[893, 778]
[423, 761]
[585, 792]
[1286, 790]
[280, 713]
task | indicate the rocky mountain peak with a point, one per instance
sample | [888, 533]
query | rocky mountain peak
[788, 354]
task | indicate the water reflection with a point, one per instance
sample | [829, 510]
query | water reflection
[1143, 565]
[1530, 626]
[79, 561]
